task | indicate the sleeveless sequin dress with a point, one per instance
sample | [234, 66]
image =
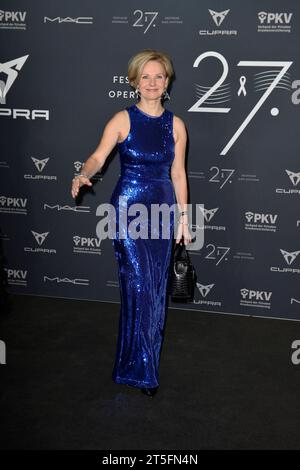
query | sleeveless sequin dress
[146, 156]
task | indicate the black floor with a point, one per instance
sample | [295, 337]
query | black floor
[226, 382]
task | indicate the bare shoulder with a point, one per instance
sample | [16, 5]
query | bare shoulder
[179, 128]
[119, 124]
[119, 118]
[178, 122]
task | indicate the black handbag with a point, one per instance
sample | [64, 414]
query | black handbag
[182, 275]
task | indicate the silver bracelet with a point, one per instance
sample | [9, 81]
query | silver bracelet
[82, 174]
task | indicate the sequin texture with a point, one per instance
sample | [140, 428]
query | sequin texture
[146, 156]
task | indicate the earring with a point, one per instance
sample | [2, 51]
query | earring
[137, 93]
[165, 95]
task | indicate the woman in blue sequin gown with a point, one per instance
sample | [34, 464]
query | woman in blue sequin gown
[152, 172]
[146, 156]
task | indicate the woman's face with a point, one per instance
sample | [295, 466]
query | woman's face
[153, 80]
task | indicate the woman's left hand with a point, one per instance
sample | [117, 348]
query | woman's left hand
[183, 232]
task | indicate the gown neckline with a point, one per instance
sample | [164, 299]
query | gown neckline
[150, 115]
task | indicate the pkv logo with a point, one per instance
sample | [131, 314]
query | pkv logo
[274, 22]
[255, 298]
[12, 16]
[15, 20]
[260, 222]
[11, 70]
[86, 245]
[16, 277]
[255, 294]
[13, 205]
[262, 218]
[277, 18]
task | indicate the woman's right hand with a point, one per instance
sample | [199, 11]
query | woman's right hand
[77, 182]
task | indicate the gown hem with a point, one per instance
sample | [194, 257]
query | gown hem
[134, 383]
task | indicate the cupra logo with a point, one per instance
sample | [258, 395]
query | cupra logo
[11, 69]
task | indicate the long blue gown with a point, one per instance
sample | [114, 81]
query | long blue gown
[146, 156]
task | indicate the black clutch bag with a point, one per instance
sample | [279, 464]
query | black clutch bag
[182, 275]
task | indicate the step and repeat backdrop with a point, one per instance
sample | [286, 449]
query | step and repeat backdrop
[237, 87]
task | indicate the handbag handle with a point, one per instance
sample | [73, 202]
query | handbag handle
[180, 252]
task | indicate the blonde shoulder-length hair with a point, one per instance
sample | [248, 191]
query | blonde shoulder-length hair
[137, 62]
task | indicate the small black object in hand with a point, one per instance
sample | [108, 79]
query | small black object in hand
[182, 275]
